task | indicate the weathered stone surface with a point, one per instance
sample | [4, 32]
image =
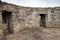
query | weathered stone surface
[28, 17]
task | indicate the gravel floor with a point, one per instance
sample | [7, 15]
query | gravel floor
[36, 34]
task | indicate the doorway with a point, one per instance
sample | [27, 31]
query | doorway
[43, 20]
[7, 22]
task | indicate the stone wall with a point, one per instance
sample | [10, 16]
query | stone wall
[23, 17]
[1, 28]
[27, 17]
[55, 16]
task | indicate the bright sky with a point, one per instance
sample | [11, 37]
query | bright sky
[35, 3]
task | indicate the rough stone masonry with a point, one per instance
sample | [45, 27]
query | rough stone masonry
[15, 18]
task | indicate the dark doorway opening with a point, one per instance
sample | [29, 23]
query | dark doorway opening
[43, 20]
[7, 22]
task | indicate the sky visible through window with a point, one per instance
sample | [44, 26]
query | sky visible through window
[35, 3]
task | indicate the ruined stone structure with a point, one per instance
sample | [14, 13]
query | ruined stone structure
[15, 18]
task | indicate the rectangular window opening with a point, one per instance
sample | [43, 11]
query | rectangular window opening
[7, 22]
[43, 20]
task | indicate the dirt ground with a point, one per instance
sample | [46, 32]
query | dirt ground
[36, 34]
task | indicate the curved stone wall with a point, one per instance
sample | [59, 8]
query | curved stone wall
[28, 17]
